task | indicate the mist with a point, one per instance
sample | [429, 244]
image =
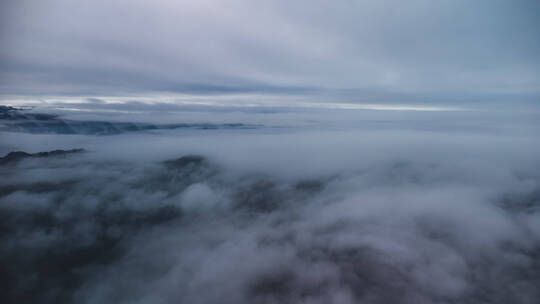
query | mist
[359, 207]
[272, 152]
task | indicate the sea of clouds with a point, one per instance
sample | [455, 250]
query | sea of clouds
[322, 206]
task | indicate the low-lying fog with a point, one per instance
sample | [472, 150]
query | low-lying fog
[301, 206]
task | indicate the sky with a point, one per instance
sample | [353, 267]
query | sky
[429, 52]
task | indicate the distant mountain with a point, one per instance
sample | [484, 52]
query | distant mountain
[17, 120]
[16, 156]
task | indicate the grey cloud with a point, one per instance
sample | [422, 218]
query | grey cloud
[424, 51]
[435, 213]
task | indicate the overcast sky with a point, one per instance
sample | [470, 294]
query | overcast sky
[361, 51]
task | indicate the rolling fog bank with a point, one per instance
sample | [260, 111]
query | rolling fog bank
[310, 206]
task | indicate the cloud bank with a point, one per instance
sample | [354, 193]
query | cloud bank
[428, 213]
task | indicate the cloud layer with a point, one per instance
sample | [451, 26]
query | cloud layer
[421, 51]
[428, 213]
